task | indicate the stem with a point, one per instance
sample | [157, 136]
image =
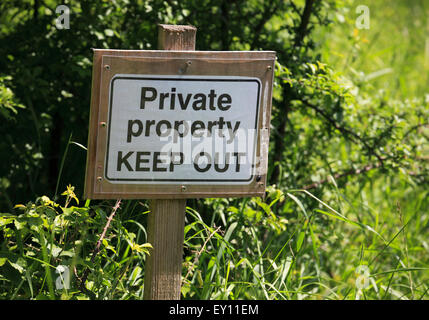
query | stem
[305, 20]
[47, 270]
[100, 240]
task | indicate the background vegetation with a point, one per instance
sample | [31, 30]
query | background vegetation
[348, 172]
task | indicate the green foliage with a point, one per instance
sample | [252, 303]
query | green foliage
[348, 169]
[281, 249]
[46, 235]
[8, 103]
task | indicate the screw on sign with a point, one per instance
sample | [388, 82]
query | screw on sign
[171, 125]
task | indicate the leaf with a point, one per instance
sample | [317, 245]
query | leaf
[2, 261]
[300, 240]
[70, 193]
[264, 207]
[301, 236]
[313, 67]
[142, 248]
[400, 270]
[20, 224]
[299, 203]
[337, 217]
[199, 278]
[55, 251]
[79, 145]
[286, 269]
[67, 253]
[109, 32]
[378, 73]
[42, 296]
[19, 265]
[232, 209]
[5, 221]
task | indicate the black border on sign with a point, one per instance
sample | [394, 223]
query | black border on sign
[179, 79]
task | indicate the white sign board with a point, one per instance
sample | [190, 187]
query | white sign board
[192, 129]
[179, 124]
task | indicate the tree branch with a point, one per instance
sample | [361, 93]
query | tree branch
[343, 174]
[305, 20]
[100, 240]
[345, 131]
[418, 126]
[269, 11]
[36, 10]
[198, 254]
[351, 172]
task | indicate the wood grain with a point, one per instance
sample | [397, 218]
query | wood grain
[166, 221]
[163, 268]
[176, 37]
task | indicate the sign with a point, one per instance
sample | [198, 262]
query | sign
[164, 129]
[179, 124]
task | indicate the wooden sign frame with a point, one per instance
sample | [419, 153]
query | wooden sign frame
[108, 63]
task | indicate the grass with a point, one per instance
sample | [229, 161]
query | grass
[294, 245]
[320, 255]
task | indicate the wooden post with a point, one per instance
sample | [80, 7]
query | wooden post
[166, 221]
